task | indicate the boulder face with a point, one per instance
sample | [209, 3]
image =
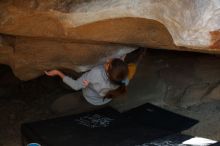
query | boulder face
[38, 35]
[30, 57]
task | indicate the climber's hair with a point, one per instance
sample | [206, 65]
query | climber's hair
[117, 72]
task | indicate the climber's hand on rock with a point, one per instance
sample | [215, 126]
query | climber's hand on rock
[52, 73]
[55, 72]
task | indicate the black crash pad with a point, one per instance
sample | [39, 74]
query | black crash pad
[156, 117]
[106, 127]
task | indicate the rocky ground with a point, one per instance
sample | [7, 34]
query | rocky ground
[29, 101]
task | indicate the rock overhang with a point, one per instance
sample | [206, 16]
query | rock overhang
[90, 27]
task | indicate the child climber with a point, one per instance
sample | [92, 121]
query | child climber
[99, 85]
[96, 83]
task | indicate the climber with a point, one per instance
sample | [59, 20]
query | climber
[99, 85]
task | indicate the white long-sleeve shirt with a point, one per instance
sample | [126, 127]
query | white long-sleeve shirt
[99, 85]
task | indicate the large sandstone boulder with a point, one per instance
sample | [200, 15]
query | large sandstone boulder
[30, 57]
[44, 34]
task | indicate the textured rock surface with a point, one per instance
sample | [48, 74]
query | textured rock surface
[174, 79]
[30, 57]
[32, 25]
[189, 22]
